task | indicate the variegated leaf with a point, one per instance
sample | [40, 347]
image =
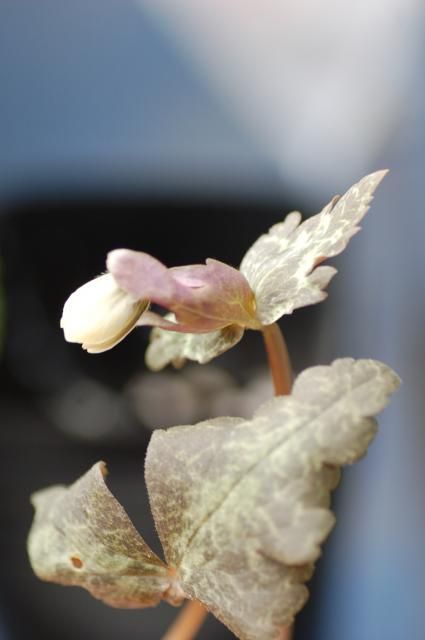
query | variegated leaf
[171, 347]
[82, 536]
[281, 266]
[242, 507]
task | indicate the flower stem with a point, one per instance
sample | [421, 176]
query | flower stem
[286, 633]
[188, 622]
[280, 368]
[279, 362]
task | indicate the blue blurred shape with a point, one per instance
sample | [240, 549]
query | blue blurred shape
[93, 95]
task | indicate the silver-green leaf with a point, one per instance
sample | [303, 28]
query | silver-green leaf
[167, 347]
[281, 266]
[242, 507]
[82, 536]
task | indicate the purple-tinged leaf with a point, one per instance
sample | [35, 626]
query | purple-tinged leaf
[168, 346]
[82, 536]
[242, 507]
[281, 266]
[202, 297]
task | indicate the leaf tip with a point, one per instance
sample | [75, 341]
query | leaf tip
[374, 179]
[103, 468]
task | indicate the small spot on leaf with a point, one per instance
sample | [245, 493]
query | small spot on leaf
[76, 562]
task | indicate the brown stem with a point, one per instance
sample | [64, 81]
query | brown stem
[280, 368]
[188, 622]
[279, 362]
[286, 633]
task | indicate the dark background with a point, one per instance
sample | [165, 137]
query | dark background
[113, 134]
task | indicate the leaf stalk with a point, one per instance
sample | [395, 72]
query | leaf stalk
[278, 357]
[281, 371]
[188, 622]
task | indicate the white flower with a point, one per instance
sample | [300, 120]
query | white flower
[100, 314]
[210, 305]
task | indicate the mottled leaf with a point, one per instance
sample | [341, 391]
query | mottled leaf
[281, 266]
[82, 536]
[242, 507]
[167, 346]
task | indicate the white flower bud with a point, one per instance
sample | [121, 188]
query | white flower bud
[100, 314]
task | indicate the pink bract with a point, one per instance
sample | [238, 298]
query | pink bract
[203, 298]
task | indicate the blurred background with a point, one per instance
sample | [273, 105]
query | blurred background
[185, 130]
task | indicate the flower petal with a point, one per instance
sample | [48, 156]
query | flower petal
[171, 347]
[167, 322]
[202, 297]
[100, 314]
[281, 265]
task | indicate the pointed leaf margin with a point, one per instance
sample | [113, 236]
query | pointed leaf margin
[82, 536]
[282, 265]
[242, 507]
[169, 347]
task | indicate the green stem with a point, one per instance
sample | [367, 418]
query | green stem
[279, 362]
